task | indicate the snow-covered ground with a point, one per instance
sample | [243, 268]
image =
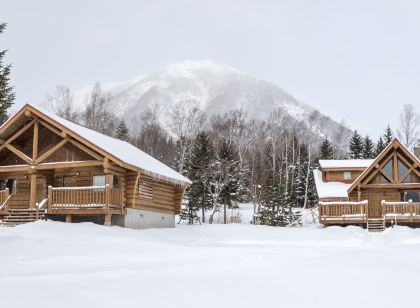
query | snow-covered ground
[52, 264]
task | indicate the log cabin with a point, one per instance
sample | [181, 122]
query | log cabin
[52, 167]
[371, 193]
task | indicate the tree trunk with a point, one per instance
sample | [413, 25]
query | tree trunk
[224, 214]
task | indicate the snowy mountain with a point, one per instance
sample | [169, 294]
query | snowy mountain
[217, 88]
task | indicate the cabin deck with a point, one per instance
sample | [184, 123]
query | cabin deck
[90, 200]
[340, 213]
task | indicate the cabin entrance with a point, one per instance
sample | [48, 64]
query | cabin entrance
[374, 205]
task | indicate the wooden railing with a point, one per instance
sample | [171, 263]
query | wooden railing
[84, 197]
[401, 208]
[343, 210]
[4, 200]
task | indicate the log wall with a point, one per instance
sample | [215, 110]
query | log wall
[146, 193]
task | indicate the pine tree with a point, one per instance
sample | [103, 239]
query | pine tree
[7, 96]
[326, 151]
[236, 185]
[198, 196]
[368, 148]
[380, 146]
[356, 146]
[300, 180]
[122, 132]
[388, 135]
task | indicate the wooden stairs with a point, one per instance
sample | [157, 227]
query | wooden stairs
[20, 216]
[376, 224]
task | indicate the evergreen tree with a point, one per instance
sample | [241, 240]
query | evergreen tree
[300, 180]
[7, 96]
[356, 146]
[235, 188]
[326, 151]
[388, 135]
[380, 146]
[368, 148]
[198, 196]
[122, 132]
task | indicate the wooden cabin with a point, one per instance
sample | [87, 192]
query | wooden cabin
[50, 166]
[380, 191]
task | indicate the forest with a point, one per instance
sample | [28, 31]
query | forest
[232, 158]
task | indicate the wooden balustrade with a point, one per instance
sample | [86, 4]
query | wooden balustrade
[401, 208]
[344, 210]
[84, 197]
[4, 198]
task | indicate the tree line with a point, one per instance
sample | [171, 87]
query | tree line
[229, 157]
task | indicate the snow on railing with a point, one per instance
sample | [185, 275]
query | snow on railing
[343, 210]
[400, 208]
[84, 197]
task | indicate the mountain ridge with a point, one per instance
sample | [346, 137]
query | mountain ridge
[217, 89]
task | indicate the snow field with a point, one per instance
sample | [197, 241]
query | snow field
[86, 265]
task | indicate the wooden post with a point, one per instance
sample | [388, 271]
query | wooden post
[107, 221]
[50, 196]
[68, 218]
[32, 196]
[35, 141]
[107, 196]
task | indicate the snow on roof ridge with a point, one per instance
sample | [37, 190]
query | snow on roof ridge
[122, 150]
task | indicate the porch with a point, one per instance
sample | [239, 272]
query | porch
[347, 212]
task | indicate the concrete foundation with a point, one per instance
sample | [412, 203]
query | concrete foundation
[141, 219]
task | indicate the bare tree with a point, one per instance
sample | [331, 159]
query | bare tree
[61, 100]
[187, 119]
[97, 114]
[408, 126]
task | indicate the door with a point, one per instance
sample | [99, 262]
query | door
[374, 205]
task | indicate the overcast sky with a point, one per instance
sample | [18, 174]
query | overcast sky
[357, 60]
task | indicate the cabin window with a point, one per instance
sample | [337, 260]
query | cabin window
[347, 175]
[146, 189]
[98, 180]
[388, 168]
[402, 169]
[384, 180]
[411, 178]
[412, 195]
[8, 183]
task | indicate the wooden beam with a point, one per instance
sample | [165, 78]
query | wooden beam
[395, 170]
[32, 196]
[50, 127]
[19, 153]
[15, 168]
[85, 149]
[71, 164]
[51, 151]
[17, 134]
[35, 141]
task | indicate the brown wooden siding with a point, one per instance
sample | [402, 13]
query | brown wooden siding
[338, 176]
[162, 197]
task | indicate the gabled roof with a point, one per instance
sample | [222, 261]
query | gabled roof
[119, 151]
[329, 189]
[345, 163]
[393, 145]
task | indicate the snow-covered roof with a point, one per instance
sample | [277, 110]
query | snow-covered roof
[345, 163]
[121, 150]
[329, 189]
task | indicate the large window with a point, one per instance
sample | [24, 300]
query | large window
[98, 180]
